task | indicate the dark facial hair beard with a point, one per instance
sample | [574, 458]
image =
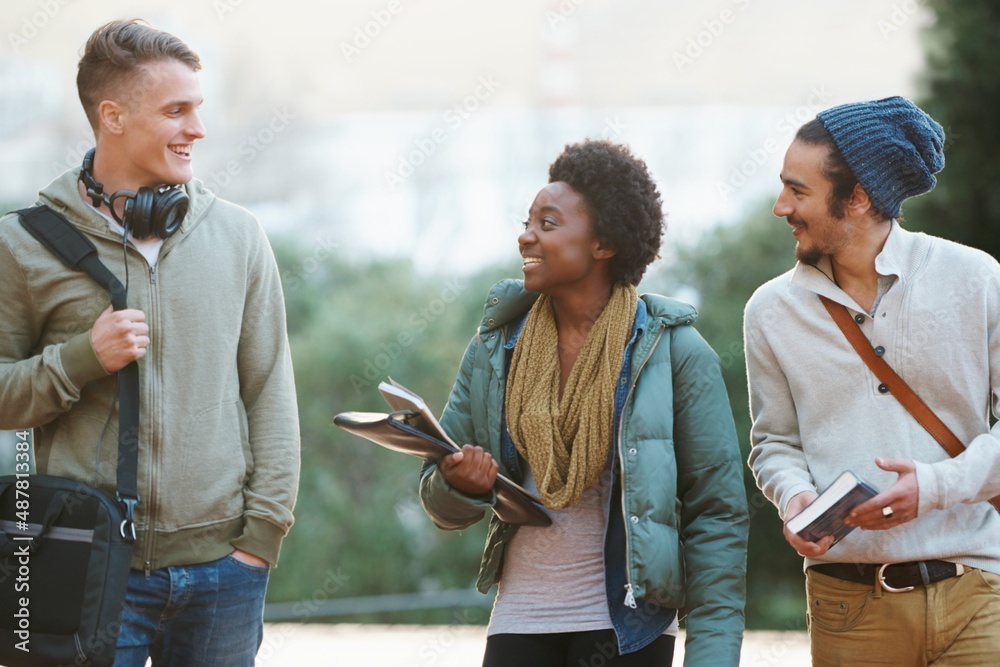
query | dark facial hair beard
[810, 256]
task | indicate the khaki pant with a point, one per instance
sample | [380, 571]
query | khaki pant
[951, 622]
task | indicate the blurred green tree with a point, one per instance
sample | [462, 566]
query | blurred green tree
[964, 95]
[359, 528]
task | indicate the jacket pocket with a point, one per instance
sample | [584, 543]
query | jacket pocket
[70, 447]
[659, 564]
[216, 465]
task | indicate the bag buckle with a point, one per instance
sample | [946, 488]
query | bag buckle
[127, 528]
[886, 587]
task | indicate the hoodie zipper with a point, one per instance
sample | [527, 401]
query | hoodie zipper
[151, 365]
[152, 318]
[629, 591]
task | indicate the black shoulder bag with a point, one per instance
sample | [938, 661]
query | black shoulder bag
[65, 547]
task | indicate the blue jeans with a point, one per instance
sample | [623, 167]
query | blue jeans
[205, 615]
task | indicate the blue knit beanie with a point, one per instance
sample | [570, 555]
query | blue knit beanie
[893, 148]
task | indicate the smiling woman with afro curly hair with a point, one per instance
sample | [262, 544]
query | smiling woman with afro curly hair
[611, 407]
[622, 202]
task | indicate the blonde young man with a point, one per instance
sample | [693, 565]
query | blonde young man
[218, 430]
[931, 309]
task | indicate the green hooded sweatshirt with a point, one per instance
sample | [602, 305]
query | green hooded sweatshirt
[218, 424]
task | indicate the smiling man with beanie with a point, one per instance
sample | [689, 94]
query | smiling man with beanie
[919, 582]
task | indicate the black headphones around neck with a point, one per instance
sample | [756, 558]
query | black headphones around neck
[149, 212]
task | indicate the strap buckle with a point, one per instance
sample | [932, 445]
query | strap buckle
[127, 527]
[886, 587]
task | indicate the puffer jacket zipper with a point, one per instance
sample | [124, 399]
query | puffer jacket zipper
[629, 590]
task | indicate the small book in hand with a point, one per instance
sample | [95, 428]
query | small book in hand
[826, 513]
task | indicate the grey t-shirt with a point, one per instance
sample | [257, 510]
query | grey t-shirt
[553, 576]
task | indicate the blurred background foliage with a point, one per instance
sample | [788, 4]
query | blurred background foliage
[358, 515]
[963, 94]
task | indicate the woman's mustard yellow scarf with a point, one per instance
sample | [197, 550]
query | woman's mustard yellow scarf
[566, 441]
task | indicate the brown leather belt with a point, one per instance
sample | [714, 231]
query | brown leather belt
[893, 577]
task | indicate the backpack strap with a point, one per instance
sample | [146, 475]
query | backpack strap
[74, 249]
[79, 253]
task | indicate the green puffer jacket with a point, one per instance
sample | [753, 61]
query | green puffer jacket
[684, 499]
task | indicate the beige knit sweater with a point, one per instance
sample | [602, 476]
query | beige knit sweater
[817, 410]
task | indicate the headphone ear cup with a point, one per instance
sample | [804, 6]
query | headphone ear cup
[169, 208]
[139, 213]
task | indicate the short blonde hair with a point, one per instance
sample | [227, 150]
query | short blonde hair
[112, 60]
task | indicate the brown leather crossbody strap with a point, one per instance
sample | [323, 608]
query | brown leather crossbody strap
[897, 386]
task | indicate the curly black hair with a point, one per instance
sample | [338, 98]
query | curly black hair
[622, 200]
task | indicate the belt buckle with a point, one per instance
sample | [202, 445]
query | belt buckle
[886, 587]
